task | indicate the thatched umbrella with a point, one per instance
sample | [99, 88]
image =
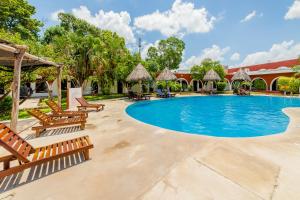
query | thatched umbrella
[241, 75]
[139, 74]
[212, 76]
[166, 75]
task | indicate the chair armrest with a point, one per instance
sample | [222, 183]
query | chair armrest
[7, 158]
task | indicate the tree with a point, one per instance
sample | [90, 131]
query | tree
[198, 71]
[48, 74]
[283, 83]
[16, 17]
[296, 69]
[77, 44]
[168, 53]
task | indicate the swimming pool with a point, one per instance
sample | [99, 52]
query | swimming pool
[221, 116]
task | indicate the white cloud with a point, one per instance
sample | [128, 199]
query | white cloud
[235, 57]
[294, 11]
[146, 46]
[181, 19]
[215, 53]
[280, 51]
[54, 15]
[249, 16]
[117, 22]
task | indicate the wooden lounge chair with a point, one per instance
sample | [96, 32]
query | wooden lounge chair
[29, 156]
[50, 122]
[59, 112]
[84, 105]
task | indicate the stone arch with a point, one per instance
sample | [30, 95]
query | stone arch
[184, 83]
[228, 87]
[273, 85]
[196, 85]
[259, 78]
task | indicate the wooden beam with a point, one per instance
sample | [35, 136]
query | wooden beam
[59, 74]
[16, 87]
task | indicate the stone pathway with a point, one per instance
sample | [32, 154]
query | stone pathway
[30, 103]
[132, 160]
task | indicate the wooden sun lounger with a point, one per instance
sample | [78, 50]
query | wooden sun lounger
[49, 122]
[84, 105]
[59, 112]
[29, 156]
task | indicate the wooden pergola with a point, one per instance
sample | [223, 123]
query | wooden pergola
[15, 57]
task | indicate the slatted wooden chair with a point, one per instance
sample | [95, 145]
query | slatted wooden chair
[59, 112]
[28, 156]
[84, 105]
[47, 121]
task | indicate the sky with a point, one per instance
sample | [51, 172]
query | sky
[235, 32]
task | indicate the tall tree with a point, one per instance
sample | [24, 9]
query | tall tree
[16, 17]
[77, 44]
[168, 53]
[198, 71]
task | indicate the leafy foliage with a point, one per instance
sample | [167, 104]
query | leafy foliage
[168, 54]
[6, 104]
[198, 71]
[259, 84]
[16, 17]
[221, 86]
[283, 83]
[294, 85]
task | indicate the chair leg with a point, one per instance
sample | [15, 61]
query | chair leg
[82, 126]
[37, 132]
[86, 154]
[6, 164]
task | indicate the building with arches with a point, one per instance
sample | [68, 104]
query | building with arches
[267, 72]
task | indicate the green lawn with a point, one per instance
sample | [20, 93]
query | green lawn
[23, 113]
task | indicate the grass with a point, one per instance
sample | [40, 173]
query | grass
[23, 114]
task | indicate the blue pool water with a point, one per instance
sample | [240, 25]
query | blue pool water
[222, 116]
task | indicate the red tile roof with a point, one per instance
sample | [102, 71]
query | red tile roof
[272, 65]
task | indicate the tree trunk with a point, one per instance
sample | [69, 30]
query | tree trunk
[50, 89]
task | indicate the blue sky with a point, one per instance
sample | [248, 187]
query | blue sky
[233, 31]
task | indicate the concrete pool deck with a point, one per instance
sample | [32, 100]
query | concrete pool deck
[132, 160]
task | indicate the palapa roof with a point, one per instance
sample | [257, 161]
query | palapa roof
[7, 56]
[241, 75]
[166, 75]
[211, 75]
[139, 74]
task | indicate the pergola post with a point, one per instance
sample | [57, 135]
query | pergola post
[16, 86]
[59, 74]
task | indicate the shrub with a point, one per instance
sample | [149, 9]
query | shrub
[246, 84]
[161, 84]
[294, 85]
[6, 104]
[106, 90]
[259, 84]
[221, 86]
[175, 87]
[283, 83]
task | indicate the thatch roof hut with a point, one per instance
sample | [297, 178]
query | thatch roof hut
[211, 75]
[139, 74]
[166, 75]
[241, 75]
